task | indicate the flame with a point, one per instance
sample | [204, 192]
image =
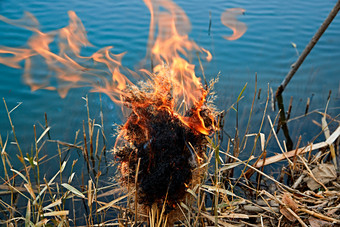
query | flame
[173, 75]
[228, 18]
[68, 66]
[172, 48]
[169, 53]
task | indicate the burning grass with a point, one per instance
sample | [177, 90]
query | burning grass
[172, 175]
[173, 167]
[160, 146]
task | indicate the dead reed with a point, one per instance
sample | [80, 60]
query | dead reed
[232, 191]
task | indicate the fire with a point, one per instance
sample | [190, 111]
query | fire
[165, 131]
[228, 18]
[169, 52]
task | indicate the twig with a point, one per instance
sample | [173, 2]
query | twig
[298, 181]
[318, 215]
[277, 139]
[297, 217]
[136, 192]
[312, 175]
[267, 176]
[280, 157]
[289, 108]
[308, 48]
[283, 122]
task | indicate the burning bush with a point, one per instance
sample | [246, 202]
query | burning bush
[168, 145]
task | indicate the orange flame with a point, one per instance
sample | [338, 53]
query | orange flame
[172, 47]
[169, 52]
[68, 65]
[228, 18]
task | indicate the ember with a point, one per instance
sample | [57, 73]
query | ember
[168, 149]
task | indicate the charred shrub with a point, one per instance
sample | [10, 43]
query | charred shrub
[168, 154]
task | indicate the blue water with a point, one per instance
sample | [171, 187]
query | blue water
[266, 49]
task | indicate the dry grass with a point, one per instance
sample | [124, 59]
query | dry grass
[232, 191]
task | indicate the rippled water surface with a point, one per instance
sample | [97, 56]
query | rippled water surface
[265, 49]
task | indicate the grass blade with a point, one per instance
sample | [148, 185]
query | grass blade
[73, 190]
[21, 175]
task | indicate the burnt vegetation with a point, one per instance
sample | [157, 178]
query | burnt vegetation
[168, 149]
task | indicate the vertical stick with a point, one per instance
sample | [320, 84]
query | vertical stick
[283, 123]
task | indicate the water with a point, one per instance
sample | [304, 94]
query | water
[265, 49]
